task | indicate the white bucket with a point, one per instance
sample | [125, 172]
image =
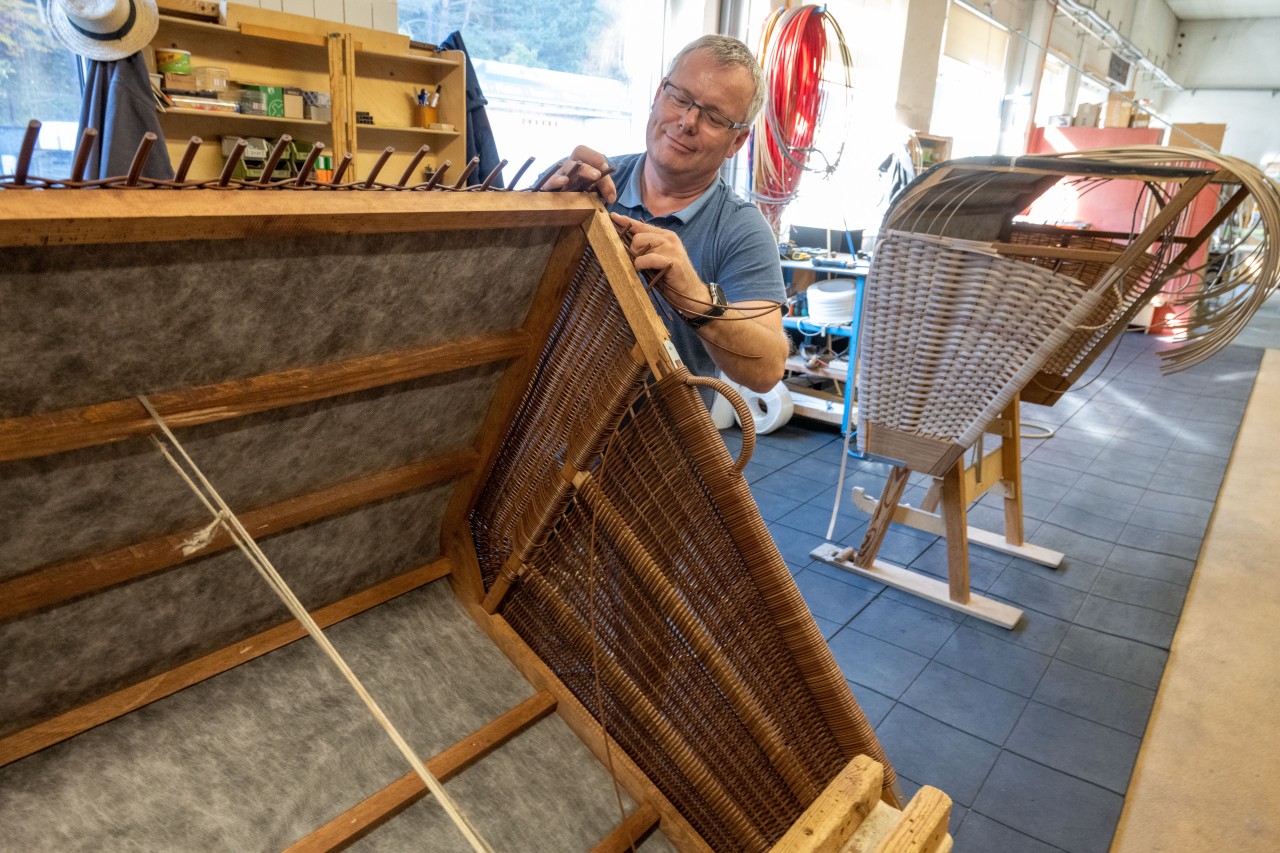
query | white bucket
[831, 302]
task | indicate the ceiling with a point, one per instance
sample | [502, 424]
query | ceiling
[1199, 10]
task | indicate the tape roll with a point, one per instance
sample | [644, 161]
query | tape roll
[770, 410]
[722, 414]
[831, 302]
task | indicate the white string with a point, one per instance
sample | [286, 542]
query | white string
[227, 519]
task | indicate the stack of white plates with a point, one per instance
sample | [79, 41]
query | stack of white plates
[831, 302]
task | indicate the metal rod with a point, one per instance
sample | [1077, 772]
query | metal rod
[140, 158]
[24, 153]
[377, 167]
[413, 164]
[188, 157]
[82, 154]
[488, 181]
[466, 173]
[233, 160]
[520, 173]
[274, 158]
[309, 163]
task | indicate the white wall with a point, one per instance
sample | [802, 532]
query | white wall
[1216, 54]
[1252, 120]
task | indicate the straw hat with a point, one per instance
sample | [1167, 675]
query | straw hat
[102, 29]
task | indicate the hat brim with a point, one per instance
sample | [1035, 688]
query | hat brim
[145, 24]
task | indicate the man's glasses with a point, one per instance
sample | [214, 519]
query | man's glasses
[684, 103]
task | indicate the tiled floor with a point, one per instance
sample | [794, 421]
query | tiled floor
[1032, 732]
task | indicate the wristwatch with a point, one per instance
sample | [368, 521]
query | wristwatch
[717, 308]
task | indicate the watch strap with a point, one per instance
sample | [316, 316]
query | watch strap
[716, 309]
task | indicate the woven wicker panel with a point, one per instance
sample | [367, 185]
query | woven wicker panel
[671, 615]
[950, 332]
[1114, 304]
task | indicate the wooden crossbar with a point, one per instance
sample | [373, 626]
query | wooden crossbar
[70, 429]
[377, 809]
[630, 831]
[54, 585]
[26, 741]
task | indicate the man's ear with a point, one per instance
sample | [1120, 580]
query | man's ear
[741, 140]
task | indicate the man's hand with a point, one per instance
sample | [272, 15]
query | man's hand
[583, 168]
[746, 342]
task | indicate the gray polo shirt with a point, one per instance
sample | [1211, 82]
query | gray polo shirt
[727, 240]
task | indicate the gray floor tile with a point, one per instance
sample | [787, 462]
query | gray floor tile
[813, 520]
[931, 607]
[817, 470]
[980, 834]
[830, 598]
[931, 753]
[994, 660]
[1194, 507]
[1169, 522]
[1039, 486]
[772, 506]
[983, 570]
[1074, 443]
[799, 438]
[1122, 470]
[875, 706]
[847, 577]
[873, 663]
[1104, 527]
[902, 545]
[1161, 541]
[769, 456]
[1034, 631]
[908, 627]
[1131, 589]
[827, 627]
[792, 486]
[1033, 468]
[1123, 494]
[965, 702]
[1172, 483]
[1096, 697]
[911, 787]
[1080, 747]
[1074, 571]
[1031, 589]
[1053, 455]
[1071, 543]
[794, 545]
[1128, 620]
[1199, 467]
[1127, 660]
[1050, 806]
[1151, 564]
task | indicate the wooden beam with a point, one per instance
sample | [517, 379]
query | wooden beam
[56, 584]
[930, 589]
[831, 819]
[955, 520]
[923, 826]
[58, 218]
[69, 429]
[630, 832]
[1029, 250]
[878, 527]
[70, 723]
[370, 813]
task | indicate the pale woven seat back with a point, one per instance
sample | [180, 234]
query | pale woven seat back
[951, 331]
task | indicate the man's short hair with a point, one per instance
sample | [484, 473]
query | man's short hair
[728, 52]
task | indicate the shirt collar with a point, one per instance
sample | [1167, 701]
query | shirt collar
[630, 196]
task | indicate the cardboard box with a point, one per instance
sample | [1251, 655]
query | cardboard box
[293, 104]
[274, 98]
[1119, 109]
[172, 82]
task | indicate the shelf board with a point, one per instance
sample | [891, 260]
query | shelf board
[404, 131]
[220, 115]
[408, 57]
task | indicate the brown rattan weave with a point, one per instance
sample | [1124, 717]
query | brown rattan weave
[951, 331]
[653, 589]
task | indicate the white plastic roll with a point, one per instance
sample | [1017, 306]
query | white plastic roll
[831, 302]
[722, 414]
[770, 410]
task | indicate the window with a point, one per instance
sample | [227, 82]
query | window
[39, 79]
[554, 75]
[970, 89]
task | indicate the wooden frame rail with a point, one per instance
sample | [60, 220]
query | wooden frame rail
[56, 584]
[375, 810]
[71, 429]
[34, 738]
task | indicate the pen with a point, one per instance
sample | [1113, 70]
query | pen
[435, 96]
[422, 97]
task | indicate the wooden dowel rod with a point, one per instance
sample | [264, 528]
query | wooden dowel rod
[83, 150]
[54, 585]
[140, 158]
[520, 173]
[438, 174]
[304, 171]
[188, 157]
[69, 429]
[631, 831]
[377, 166]
[25, 152]
[413, 164]
[373, 811]
[70, 723]
[466, 173]
[233, 160]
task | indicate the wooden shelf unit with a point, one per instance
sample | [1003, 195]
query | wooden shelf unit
[362, 70]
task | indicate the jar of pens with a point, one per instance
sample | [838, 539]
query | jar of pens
[425, 111]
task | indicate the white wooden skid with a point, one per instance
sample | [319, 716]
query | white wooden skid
[922, 586]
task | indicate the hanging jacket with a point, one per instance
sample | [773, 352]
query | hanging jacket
[119, 105]
[480, 140]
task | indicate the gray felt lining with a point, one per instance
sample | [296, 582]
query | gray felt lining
[59, 658]
[257, 757]
[88, 324]
[85, 502]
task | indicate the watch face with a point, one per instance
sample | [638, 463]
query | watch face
[717, 295]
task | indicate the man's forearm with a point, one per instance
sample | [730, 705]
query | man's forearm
[750, 349]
